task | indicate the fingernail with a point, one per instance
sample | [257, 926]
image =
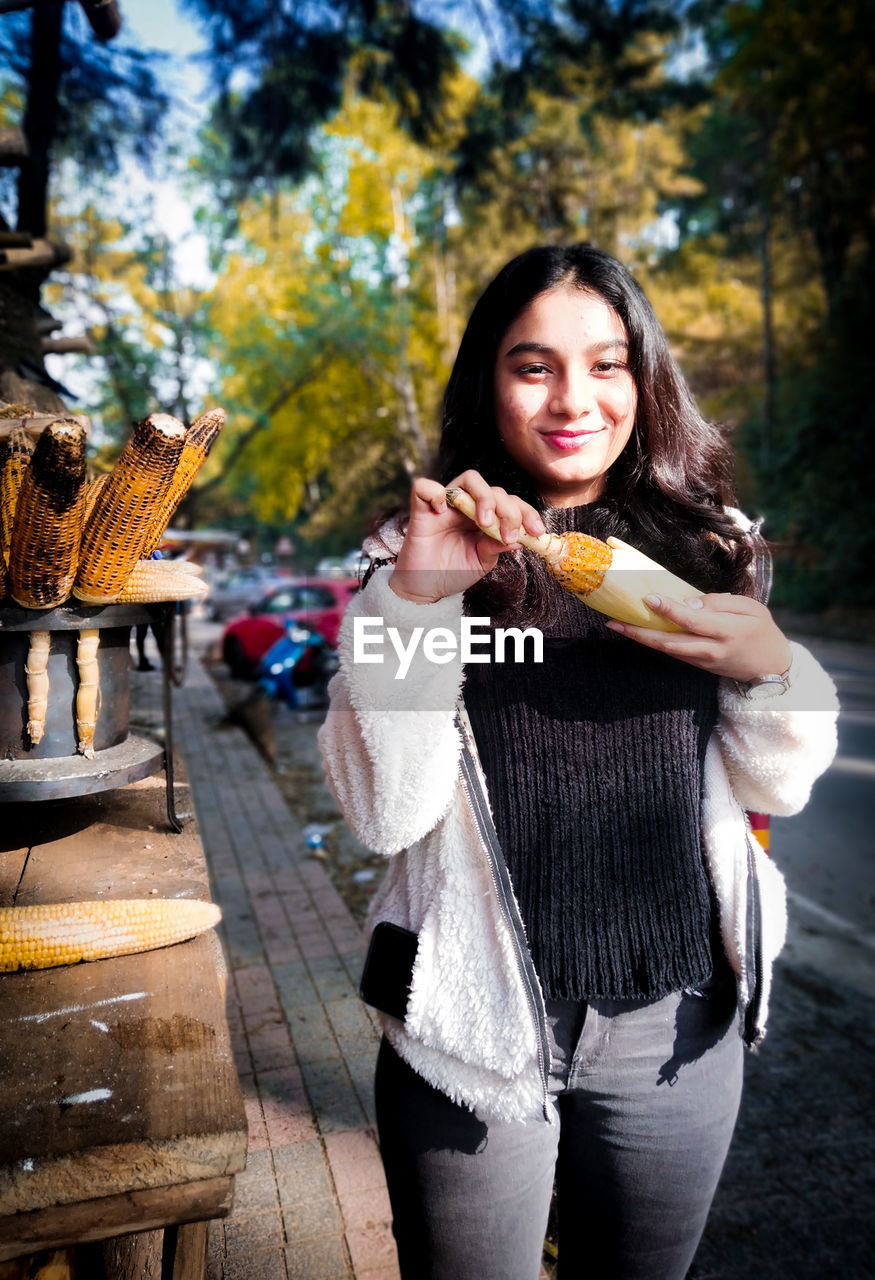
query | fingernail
[488, 516]
[695, 602]
[616, 626]
[653, 601]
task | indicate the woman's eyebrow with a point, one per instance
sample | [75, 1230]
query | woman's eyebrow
[540, 348]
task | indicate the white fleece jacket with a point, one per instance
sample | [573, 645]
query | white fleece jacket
[391, 749]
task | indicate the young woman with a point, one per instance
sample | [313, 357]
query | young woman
[574, 936]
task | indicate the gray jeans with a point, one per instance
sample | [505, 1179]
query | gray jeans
[646, 1095]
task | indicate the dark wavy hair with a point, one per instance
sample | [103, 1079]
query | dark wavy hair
[668, 490]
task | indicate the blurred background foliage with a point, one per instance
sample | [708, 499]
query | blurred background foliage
[362, 167]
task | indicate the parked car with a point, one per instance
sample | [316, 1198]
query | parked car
[349, 566]
[239, 588]
[318, 603]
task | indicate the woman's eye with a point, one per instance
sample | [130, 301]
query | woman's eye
[532, 370]
[608, 366]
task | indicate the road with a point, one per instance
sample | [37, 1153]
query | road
[795, 1199]
[826, 852]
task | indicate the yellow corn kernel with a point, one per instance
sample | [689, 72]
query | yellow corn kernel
[583, 565]
[121, 522]
[151, 583]
[64, 933]
[16, 460]
[199, 439]
[93, 492]
[47, 530]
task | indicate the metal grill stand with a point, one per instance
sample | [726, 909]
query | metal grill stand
[53, 769]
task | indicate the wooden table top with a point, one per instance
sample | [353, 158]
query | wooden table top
[119, 1101]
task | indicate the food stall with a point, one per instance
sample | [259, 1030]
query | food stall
[121, 1118]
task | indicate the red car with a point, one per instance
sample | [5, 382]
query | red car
[318, 603]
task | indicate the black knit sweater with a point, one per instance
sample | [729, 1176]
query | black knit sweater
[594, 763]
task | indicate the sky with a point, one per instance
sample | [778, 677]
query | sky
[160, 25]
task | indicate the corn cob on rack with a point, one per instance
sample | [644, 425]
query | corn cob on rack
[200, 438]
[47, 528]
[123, 517]
[42, 937]
[93, 492]
[16, 460]
[155, 580]
[102, 532]
[610, 576]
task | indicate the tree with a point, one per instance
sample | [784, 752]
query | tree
[289, 64]
[787, 159]
[330, 337]
[81, 100]
[149, 330]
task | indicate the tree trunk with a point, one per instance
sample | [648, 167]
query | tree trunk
[40, 117]
[769, 361]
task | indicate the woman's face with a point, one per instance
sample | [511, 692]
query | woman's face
[564, 397]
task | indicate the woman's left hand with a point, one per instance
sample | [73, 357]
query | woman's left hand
[729, 635]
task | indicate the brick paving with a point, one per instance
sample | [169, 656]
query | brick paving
[795, 1200]
[311, 1203]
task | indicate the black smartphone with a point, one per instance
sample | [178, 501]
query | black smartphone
[388, 970]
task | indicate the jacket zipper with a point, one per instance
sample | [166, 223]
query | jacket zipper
[500, 880]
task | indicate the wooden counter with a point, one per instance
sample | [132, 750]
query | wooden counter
[120, 1109]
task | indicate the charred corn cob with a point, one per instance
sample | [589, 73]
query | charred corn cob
[65, 933]
[17, 411]
[37, 675]
[88, 690]
[16, 460]
[611, 576]
[47, 530]
[199, 439]
[150, 583]
[123, 515]
[93, 492]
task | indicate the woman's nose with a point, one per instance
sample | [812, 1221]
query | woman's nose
[573, 397]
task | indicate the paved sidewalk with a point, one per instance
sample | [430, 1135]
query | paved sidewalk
[312, 1202]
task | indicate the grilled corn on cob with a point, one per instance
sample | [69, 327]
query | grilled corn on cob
[199, 439]
[37, 675]
[47, 529]
[611, 576]
[121, 522]
[151, 583]
[16, 460]
[65, 933]
[93, 492]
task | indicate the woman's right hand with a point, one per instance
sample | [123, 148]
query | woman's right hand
[443, 551]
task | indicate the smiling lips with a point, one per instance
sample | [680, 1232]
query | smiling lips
[568, 440]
